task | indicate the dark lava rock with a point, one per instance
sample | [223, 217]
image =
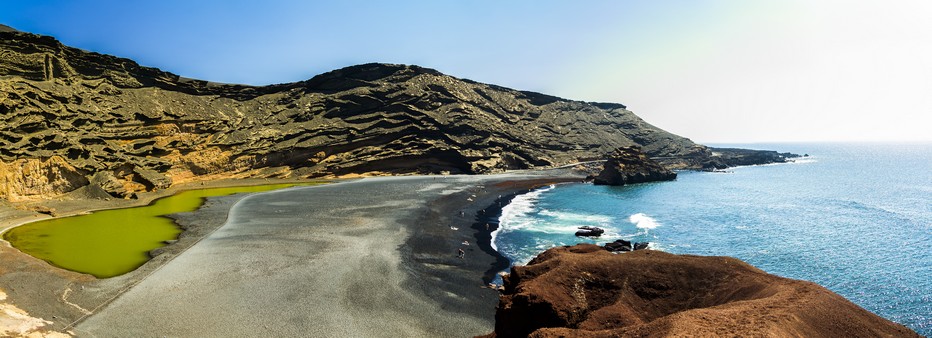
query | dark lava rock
[641, 245]
[588, 231]
[618, 246]
[628, 165]
[585, 291]
[732, 157]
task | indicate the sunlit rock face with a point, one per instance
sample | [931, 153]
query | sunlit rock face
[148, 128]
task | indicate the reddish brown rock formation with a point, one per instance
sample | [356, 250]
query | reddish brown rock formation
[585, 291]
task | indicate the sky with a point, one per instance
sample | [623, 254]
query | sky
[716, 71]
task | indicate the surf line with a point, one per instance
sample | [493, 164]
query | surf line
[488, 225]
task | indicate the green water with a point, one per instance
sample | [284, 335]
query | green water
[113, 242]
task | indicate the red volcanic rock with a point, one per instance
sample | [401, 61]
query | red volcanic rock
[586, 291]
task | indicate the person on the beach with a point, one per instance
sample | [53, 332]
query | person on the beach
[460, 253]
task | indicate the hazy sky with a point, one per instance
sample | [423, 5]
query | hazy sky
[713, 71]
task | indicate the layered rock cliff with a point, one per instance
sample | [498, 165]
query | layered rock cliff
[586, 291]
[104, 122]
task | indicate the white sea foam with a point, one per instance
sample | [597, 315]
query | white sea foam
[643, 221]
[514, 215]
[582, 219]
[804, 160]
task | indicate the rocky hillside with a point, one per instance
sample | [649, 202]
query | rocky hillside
[585, 291]
[80, 121]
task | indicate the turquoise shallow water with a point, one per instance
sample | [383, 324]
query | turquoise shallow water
[855, 218]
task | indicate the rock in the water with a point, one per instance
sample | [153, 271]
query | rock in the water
[628, 165]
[588, 231]
[585, 291]
[641, 245]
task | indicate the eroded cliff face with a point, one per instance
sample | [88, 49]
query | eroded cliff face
[33, 178]
[127, 128]
[586, 291]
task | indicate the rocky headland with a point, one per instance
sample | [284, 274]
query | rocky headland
[586, 291]
[96, 125]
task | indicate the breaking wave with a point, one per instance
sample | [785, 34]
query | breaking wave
[643, 221]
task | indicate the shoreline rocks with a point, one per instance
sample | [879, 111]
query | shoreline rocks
[624, 246]
[586, 291]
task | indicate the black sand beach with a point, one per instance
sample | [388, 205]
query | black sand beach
[372, 257]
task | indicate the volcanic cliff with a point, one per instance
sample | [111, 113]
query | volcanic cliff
[586, 291]
[80, 121]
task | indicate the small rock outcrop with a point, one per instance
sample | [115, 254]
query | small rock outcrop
[586, 291]
[624, 246]
[629, 165]
[588, 231]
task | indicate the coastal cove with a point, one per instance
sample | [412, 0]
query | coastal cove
[112, 242]
[471, 170]
[334, 259]
[347, 229]
[851, 217]
[340, 259]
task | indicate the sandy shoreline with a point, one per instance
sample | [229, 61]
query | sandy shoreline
[427, 272]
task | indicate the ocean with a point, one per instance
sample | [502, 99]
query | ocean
[854, 218]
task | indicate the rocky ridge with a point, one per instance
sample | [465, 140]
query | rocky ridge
[586, 291]
[97, 125]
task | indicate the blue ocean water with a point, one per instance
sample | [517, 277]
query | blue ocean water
[855, 218]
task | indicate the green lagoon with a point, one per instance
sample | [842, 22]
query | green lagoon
[109, 243]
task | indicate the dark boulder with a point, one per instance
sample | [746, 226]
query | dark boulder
[588, 231]
[628, 165]
[618, 246]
